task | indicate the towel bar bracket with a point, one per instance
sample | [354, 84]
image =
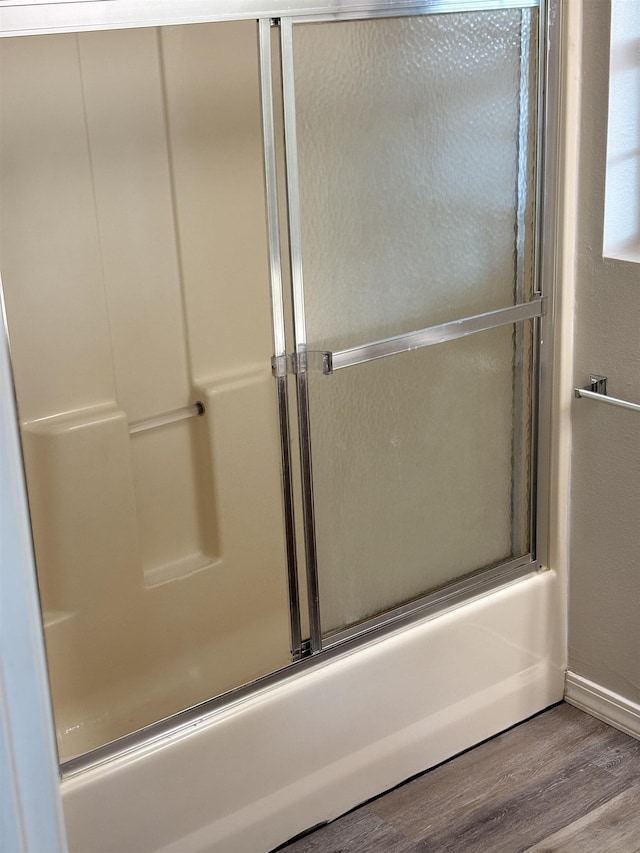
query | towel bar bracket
[597, 384]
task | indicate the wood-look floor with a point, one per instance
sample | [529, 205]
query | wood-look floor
[562, 782]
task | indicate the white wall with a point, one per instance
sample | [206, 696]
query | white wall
[604, 598]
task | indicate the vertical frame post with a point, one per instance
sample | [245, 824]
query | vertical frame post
[295, 248]
[279, 339]
[521, 367]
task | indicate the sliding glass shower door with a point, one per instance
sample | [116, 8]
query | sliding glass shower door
[411, 152]
[185, 505]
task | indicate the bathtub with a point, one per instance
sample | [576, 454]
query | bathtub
[302, 752]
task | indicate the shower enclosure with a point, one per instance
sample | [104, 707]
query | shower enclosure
[274, 298]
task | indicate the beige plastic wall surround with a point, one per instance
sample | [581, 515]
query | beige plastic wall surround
[136, 280]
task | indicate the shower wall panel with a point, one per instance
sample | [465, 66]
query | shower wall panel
[136, 279]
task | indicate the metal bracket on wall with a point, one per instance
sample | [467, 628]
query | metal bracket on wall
[597, 385]
[597, 390]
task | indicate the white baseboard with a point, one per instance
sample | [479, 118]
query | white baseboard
[604, 704]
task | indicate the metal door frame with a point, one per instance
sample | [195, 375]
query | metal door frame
[302, 360]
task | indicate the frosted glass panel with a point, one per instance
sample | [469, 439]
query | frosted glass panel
[414, 142]
[416, 152]
[421, 471]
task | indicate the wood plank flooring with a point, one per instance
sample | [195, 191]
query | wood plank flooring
[562, 782]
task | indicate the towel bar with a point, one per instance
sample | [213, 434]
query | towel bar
[597, 390]
[167, 418]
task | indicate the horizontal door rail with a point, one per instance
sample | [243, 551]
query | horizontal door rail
[36, 17]
[597, 390]
[432, 335]
[167, 418]
[327, 11]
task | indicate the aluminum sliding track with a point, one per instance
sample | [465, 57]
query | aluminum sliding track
[346, 10]
[451, 595]
[279, 338]
[37, 17]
